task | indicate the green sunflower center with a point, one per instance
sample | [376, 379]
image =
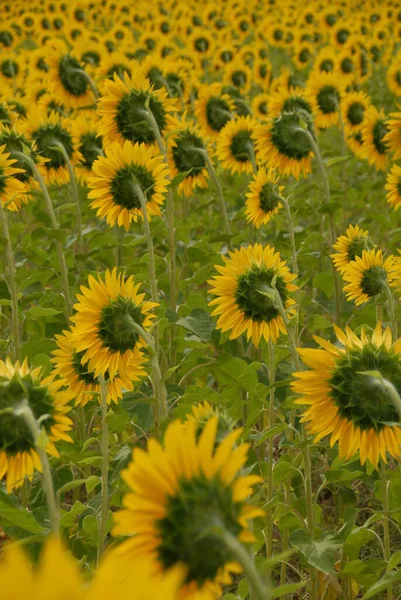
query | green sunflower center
[217, 113]
[175, 85]
[373, 281]
[123, 187]
[201, 44]
[347, 66]
[358, 245]
[327, 65]
[342, 35]
[185, 532]
[278, 35]
[72, 77]
[304, 55]
[41, 64]
[254, 304]
[116, 324]
[269, 197]
[46, 137]
[355, 113]
[79, 14]
[131, 116]
[239, 78]
[14, 434]
[241, 146]
[331, 20]
[81, 371]
[9, 68]
[263, 71]
[398, 76]
[227, 56]
[399, 187]
[91, 57]
[15, 143]
[6, 39]
[289, 138]
[379, 131]
[262, 108]
[185, 156]
[90, 148]
[3, 180]
[295, 103]
[328, 99]
[367, 405]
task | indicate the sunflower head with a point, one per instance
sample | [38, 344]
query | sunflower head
[186, 154]
[263, 198]
[368, 276]
[346, 396]
[192, 501]
[393, 187]
[203, 412]
[236, 145]
[349, 246]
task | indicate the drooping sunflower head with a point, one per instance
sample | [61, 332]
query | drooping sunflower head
[325, 92]
[394, 75]
[186, 154]
[253, 289]
[303, 54]
[18, 383]
[392, 137]
[236, 145]
[238, 75]
[88, 143]
[284, 145]
[263, 198]
[213, 109]
[107, 315]
[346, 396]
[127, 173]
[367, 276]
[349, 246]
[287, 101]
[354, 107]
[67, 79]
[393, 187]
[191, 501]
[125, 110]
[375, 140]
[82, 382]
[325, 61]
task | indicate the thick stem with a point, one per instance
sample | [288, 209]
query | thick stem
[104, 508]
[291, 229]
[270, 451]
[149, 242]
[386, 522]
[12, 283]
[391, 311]
[25, 412]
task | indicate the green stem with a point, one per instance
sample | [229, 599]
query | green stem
[220, 194]
[12, 283]
[75, 194]
[25, 412]
[344, 166]
[290, 225]
[104, 508]
[386, 522]
[270, 451]
[260, 590]
[391, 311]
[89, 80]
[392, 392]
[149, 242]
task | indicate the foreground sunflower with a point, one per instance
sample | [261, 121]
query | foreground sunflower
[393, 187]
[236, 145]
[180, 493]
[18, 456]
[118, 175]
[349, 246]
[11, 189]
[82, 382]
[368, 275]
[346, 400]
[106, 314]
[264, 197]
[59, 576]
[185, 155]
[124, 107]
[244, 300]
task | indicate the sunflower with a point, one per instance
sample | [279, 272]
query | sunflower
[288, 100]
[89, 53]
[375, 143]
[224, 54]
[262, 73]
[392, 137]
[88, 142]
[117, 175]
[348, 403]
[236, 145]
[59, 574]
[124, 106]
[260, 106]
[11, 68]
[213, 109]
[185, 155]
[245, 295]
[202, 412]
[116, 63]
[283, 144]
[264, 197]
[356, 145]
[170, 516]
[354, 107]
[350, 245]
[394, 75]
[67, 79]
[393, 187]
[238, 75]
[46, 131]
[11, 189]
[368, 275]
[325, 61]
[347, 66]
[303, 55]
[324, 92]
[18, 456]
[81, 381]
[106, 314]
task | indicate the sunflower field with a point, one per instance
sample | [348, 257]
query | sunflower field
[200, 363]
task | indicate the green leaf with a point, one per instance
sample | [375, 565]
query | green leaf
[15, 515]
[395, 560]
[356, 539]
[337, 160]
[71, 485]
[67, 519]
[270, 433]
[360, 572]
[92, 482]
[287, 588]
[325, 283]
[198, 322]
[382, 584]
[336, 475]
[40, 311]
[180, 178]
[319, 322]
[320, 554]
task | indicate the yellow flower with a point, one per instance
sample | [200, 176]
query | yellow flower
[244, 290]
[106, 314]
[368, 276]
[393, 187]
[346, 402]
[67, 79]
[392, 137]
[260, 106]
[184, 157]
[18, 456]
[86, 139]
[238, 75]
[236, 145]
[353, 108]
[324, 92]
[288, 100]
[177, 492]
[349, 246]
[264, 197]
[375, 143]
[11, 189]
[213, 109]
[118, 175]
